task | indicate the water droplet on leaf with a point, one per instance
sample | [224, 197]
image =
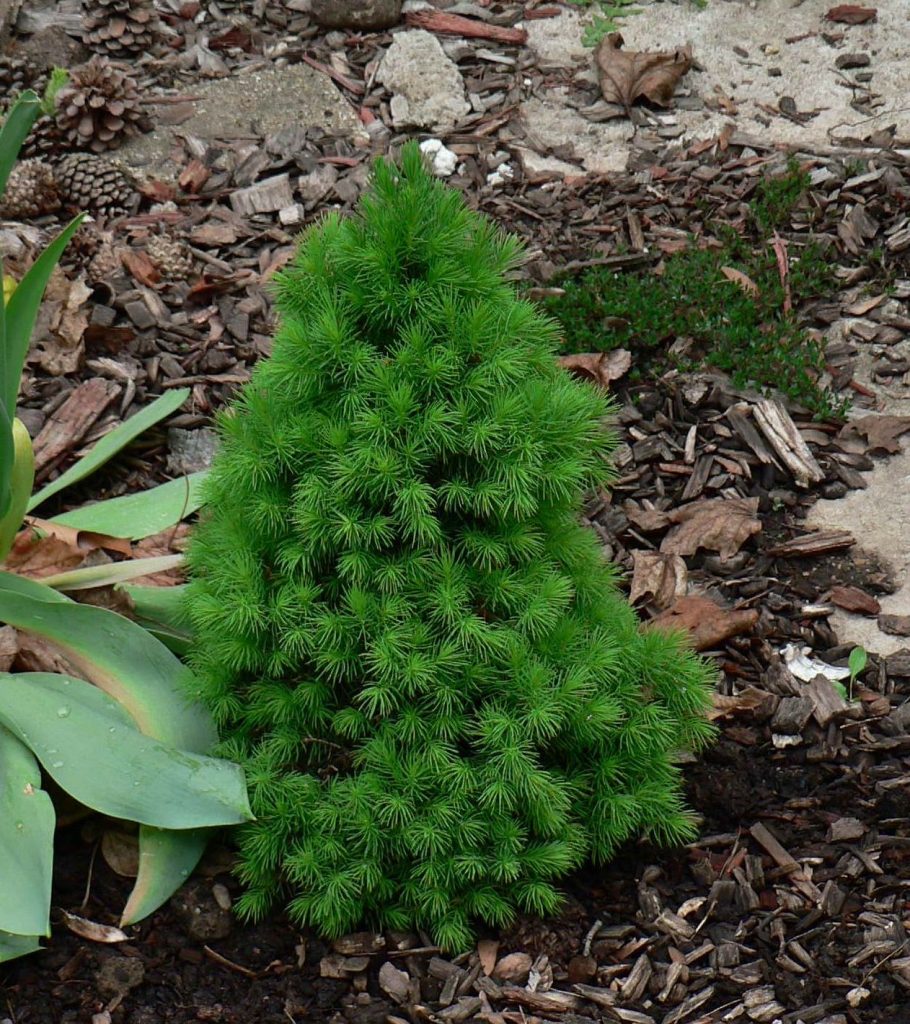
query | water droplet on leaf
[63, 711]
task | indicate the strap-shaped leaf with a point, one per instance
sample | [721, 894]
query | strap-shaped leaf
[139, 515]
[12, 946]
[113, 442]
[20, 487]
[15, 128]
[166, 860]
[26, 842]
[90, 576]
[121, 658]
[22, 309]
[162, 611]
[86, 742]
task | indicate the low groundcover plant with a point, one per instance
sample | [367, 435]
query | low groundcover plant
[442, 701]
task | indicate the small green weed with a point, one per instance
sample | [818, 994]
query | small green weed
[605, 21]
[741, 330]
[776, 198]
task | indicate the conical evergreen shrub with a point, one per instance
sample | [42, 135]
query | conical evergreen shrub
[442, 701]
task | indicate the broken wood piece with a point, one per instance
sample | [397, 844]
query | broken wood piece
[784, 861]
[267, 196]
[71, 422]
[822, 542]
[470, 28]
[781, 432]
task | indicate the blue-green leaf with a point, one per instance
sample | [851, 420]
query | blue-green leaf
[87, 743]
[139, 515]
[26, 841]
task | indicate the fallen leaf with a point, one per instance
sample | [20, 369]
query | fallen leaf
[717, 524]
[599, 367]
[881, 432]
[852, 599]
[852, 14]
[141, 267]
[486, 953]
[751, 700]
[9, 647]
[626, 75]
[85, 540]
[36, 655]
[61, 323]
[706, 622]
[121, 852]
[647, 519]
[35, 556]
[743, 280]
[662, 576]
[92, 930]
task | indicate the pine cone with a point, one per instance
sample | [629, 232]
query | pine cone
[170, 257]
[119, 26]
[31, 191]
[99, 108]
[18, 74]
[88, 182]
[105, 264]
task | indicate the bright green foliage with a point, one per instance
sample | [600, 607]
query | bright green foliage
[442, 701]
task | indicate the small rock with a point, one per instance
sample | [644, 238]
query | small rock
[442, 160]
[359, 944]
[290, 216]
[395, 983]
[428, 87]
[356, 14]
[853, 60]
[513, 968]
[118, 974]
[190, 450]
[200, 914]
[896, 625]
[581, 969]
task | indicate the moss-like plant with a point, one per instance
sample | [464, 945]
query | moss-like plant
[442, 701]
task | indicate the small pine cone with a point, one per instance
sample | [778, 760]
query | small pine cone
[170, 257]
[18, 74]
[120, 27]
[99, 108]
[44, 141]
[105, 264]
[31, 191]
[88, 182]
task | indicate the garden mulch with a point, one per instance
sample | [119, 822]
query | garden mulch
[793, 904]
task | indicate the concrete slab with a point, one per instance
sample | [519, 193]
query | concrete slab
[803, 68]
[260, 102]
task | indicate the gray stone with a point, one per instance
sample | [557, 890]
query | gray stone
[427, 85]
[356, 14]
[190, 450]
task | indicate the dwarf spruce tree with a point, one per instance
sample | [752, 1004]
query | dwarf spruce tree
[441, 699]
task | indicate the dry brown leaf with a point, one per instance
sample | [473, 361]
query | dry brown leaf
[852, 14]
[92, 930]
[141, 267]
[121, 852]
[514, 968]
[626, 75]
[61, 323]
[647, 519]
[9, 647]
[881, 432]
[752, 699]
[716, 524]
[663, 577]
[35, 556]
[486, 953]
[36, 655]
[706, 622]
[743, 280]
[599, 367]
[86, 540]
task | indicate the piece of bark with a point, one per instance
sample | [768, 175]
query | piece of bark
[791, 715]
[71, 422]
[553, 1001]
[267, 196]
[470, 28]
[706, 622]
[778, 427]
[822, 542]
[852, 599]
[784, 861]
[896, 625]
